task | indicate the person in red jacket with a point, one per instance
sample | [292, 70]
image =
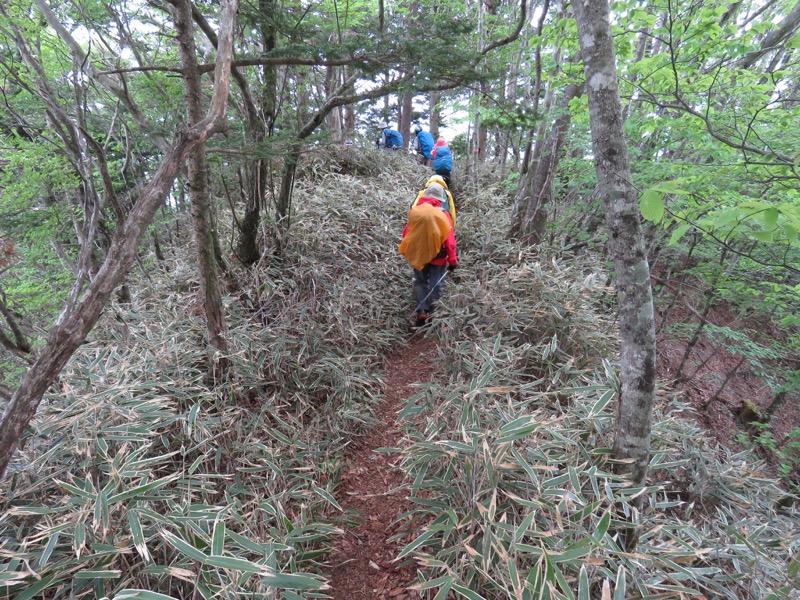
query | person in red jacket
[429, 273]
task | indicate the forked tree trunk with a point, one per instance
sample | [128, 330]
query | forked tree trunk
[71, 329]
[260, 122]
[637, 331]
[541, 191]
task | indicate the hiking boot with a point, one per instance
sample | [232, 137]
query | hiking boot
[422, 319]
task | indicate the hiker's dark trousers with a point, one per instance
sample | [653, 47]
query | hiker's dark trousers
[424, 282]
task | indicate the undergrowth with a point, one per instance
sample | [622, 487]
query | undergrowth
[138, 477]
[509, 459]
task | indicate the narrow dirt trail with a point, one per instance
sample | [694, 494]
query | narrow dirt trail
[362, 567]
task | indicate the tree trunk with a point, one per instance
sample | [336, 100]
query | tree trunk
[541, 191]
[436, 115]
[284, 200]
[637, 332]
[260, 122]
[199, 195]
[71, 330]
[782, 32]
[524, 198]
[404, 122]
[532, 141]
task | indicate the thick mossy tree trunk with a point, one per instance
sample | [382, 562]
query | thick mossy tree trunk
[637, 330]
[72, 327]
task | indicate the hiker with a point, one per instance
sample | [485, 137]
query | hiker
[429, 245]
[391, 139]
[423, 145]
[442, 160]
[449, 205]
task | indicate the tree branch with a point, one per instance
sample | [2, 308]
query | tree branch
[71, 331]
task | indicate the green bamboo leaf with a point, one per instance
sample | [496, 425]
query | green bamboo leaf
[583, 584]
[444, 591]
[513, 574]
[218, 539]
[467, 593]
[101, 515]
[562, 582]
[602, 527]
[32, 591]
[48, 550]
[517, 429]
[76, 490]
[599, 406]
[79, 538]
[109, 574]
[619, 585]
[325, 494]
[794, 566]
[142, 489]
[134, 594]
[236, 564]
[14, 577]
[523, 527]
[183, 546]
[417, 543]
[138, 535]
[294, 581]
[433, 583]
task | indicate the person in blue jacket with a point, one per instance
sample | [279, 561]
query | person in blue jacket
[423, 144]
[390, 139]
[442, 160]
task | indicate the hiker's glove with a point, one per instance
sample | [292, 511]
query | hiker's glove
[451, 268]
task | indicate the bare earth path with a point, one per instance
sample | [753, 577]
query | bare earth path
[362, 567]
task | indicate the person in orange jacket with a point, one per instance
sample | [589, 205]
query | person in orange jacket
[429, 245]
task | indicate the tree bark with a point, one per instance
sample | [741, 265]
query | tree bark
[541, 194]
[781, 33]
[404, 122]
[637, 332]
[284, 199]
[71, 330]
[199, 194]
[435, 119]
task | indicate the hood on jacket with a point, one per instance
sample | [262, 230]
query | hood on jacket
[434, 190]
[436, 179]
